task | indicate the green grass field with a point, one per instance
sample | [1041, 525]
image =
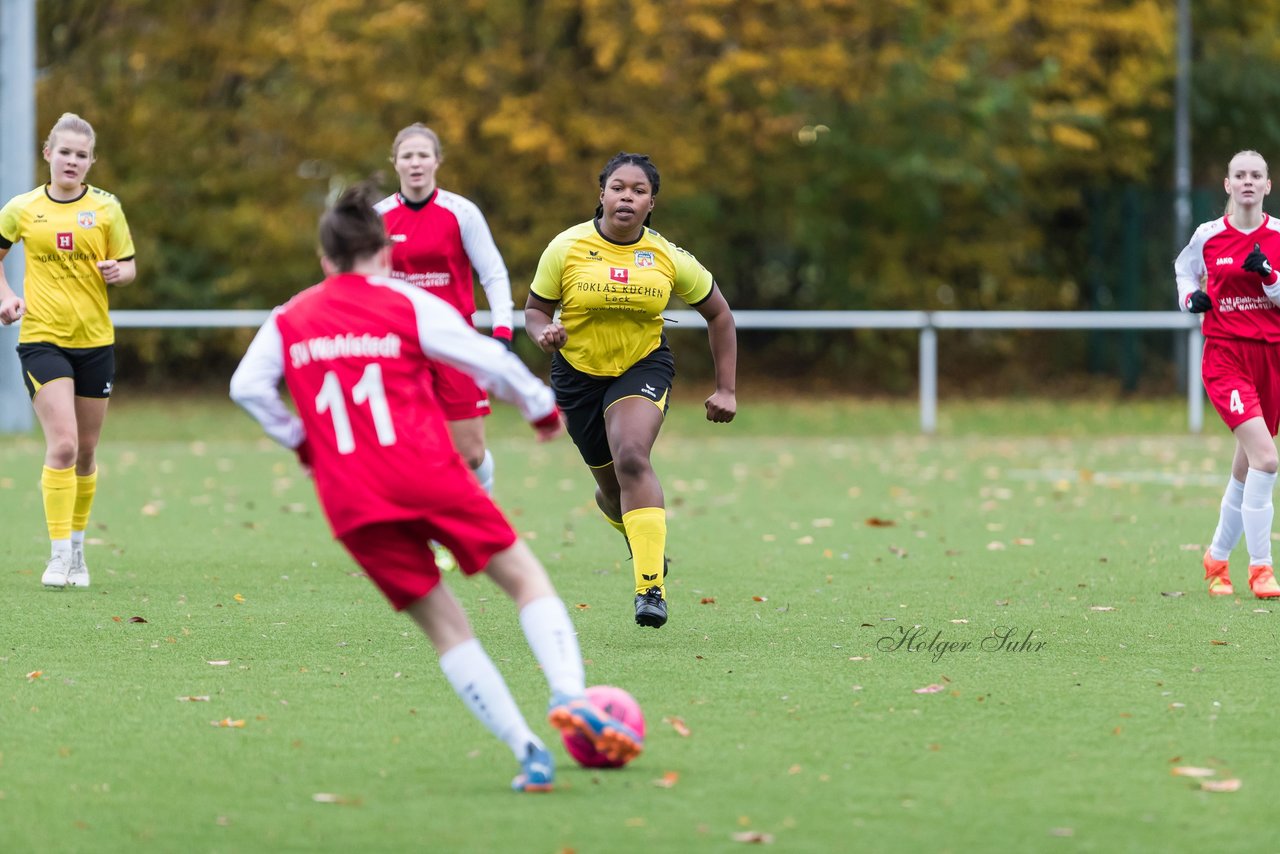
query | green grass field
[783, 703]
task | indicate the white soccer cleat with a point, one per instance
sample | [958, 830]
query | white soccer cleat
[78, 573]
[55, 573]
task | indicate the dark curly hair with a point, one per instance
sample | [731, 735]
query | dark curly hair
[623, 158]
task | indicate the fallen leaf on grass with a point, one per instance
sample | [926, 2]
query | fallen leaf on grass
[228, 722]
[1101, 608]
[753, 836]
[1191, 771]
[930, 689]
[582, 606]
[760, 598]
[239, 598]
[678, 725]
[34, 675]
[136, 620]
[1220, 785]
[1172, 593]
[219, 663]
[1220, 643]
[203, 698]
[668, 780]
[331, 798]
[877, 522]
[995, 546]
[708, 600]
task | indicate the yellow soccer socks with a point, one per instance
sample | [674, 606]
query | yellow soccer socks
[58, 487]
[86, 487]
[646, 530]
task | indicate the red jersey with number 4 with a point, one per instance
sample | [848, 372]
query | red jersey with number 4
[1241, 308]
[352, 351]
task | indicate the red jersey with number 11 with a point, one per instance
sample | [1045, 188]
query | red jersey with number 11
[352, 351]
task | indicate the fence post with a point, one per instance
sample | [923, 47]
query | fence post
[1195, 397]
[928, 377]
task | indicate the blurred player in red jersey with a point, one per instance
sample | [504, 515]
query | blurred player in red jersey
[1241, 362]
[438, 240]
[354, 351]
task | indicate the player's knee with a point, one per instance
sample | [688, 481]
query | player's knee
[1265, 462]
[62, 452]
[631, 462]
[86, 458]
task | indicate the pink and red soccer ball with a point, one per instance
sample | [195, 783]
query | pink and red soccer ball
[620, 705]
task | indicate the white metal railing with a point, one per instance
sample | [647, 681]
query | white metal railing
[927, 322]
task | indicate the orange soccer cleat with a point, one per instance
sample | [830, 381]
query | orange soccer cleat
[1263, 582]
[1216, 572]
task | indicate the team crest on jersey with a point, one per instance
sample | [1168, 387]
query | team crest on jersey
[618, 274]
[86, 219]
[644, 258]
[66, 242]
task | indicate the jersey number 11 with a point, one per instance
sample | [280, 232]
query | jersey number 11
[369, 390]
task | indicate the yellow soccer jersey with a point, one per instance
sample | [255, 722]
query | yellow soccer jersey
[612, 295]
[65, 294]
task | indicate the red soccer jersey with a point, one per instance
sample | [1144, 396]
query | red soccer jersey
[436, 245]
[352, 351]
[1241, 308]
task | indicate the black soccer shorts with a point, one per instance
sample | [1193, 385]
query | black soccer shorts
[92, 369]
[583, 398]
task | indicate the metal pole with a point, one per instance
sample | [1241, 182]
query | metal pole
[1182, 131]
[17, 173]
[1195, 398]
[928, 380]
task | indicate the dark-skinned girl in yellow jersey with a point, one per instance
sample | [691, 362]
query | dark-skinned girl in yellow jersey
[611, 369]
[77, 243]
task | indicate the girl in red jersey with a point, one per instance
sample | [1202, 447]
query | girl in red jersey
[1241, 362]
[354, 351]
[438, 241]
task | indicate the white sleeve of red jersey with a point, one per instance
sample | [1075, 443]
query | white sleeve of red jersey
[1189, 267]
[256, 386]
[445, 336]
[477, 240]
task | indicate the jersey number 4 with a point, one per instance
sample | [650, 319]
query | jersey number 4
[369, 390]
[1236, 404]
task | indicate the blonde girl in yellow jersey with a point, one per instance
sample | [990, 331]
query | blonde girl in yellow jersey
[611, 370]
[77, 242]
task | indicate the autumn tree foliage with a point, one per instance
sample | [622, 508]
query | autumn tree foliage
[815, 154]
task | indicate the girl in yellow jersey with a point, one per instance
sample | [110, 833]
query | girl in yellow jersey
[76, 242]
[611, 369]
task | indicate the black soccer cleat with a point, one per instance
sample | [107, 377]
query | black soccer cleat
[651, 608]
